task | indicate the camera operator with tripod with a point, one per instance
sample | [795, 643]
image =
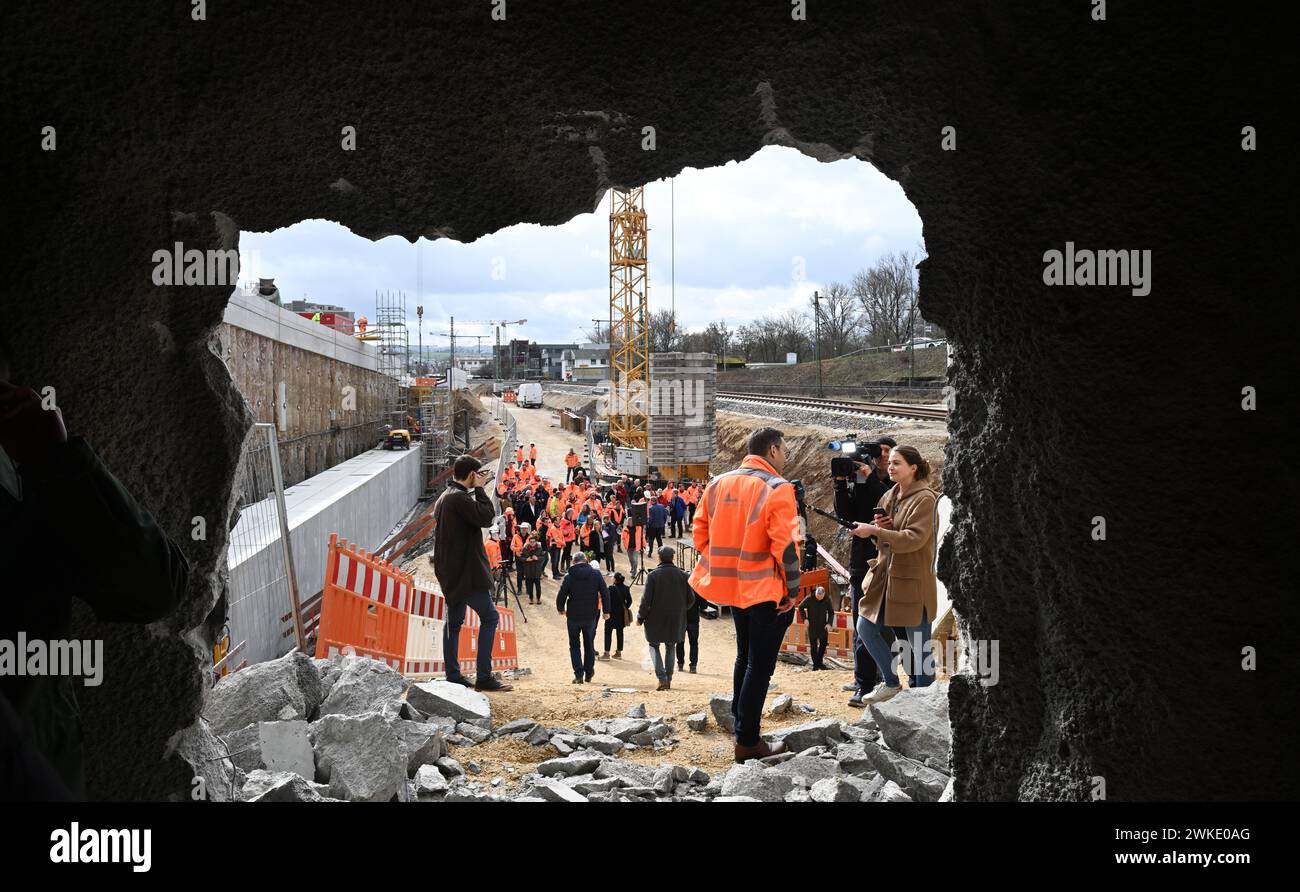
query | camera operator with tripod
[859, 487]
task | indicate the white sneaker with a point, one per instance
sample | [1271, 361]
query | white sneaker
[881, 693]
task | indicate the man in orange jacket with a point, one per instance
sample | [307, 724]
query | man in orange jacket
[745, 532]
[570, 464]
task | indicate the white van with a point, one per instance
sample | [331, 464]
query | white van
[530, 395]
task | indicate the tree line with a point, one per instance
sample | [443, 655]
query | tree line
[874, 308]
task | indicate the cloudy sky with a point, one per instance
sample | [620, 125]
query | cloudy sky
[752, 238]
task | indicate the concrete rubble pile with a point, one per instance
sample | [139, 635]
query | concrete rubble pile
[353, 729]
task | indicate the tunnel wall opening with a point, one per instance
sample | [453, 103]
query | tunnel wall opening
[464, 125]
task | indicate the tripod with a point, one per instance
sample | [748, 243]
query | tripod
[505, 587]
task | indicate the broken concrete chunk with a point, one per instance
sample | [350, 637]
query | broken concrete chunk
[282, 689]
[363, 757]
[364, 685]
[455, 701]
[720, 706]
[915, 723]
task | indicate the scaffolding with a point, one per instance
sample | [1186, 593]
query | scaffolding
[629, 330]
[394, 354]
[437, 446]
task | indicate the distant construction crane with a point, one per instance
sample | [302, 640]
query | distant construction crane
[629, 323]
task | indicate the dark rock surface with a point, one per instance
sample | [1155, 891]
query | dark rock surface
[1124, 134]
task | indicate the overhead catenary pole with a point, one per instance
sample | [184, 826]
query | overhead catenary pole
[419, 333]
[451, 364]
[817, 337]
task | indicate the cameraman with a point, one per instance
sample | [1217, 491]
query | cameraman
[855, 500]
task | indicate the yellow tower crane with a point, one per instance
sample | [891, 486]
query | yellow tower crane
[629, 323]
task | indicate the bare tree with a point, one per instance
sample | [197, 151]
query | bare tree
[664, 336]
[841, 319]
[887, 293]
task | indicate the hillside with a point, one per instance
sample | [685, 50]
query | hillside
[931, 364]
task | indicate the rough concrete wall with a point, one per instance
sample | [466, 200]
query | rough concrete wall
[319, 433]
[1070, 403]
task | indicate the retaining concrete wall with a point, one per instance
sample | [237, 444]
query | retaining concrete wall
[294, 373]
[362, 500]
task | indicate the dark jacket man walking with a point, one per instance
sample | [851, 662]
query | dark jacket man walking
[460, 563]
[583, 599]
[664, 603]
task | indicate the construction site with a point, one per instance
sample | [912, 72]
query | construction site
[356, 426]
[833, 323]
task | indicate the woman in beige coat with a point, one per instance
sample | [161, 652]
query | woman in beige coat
[900, 588]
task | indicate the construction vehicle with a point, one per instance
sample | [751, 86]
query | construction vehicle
[398, 438]
[530, 395]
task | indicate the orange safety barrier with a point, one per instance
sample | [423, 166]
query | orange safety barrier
[364, 606]
[840, 643]
[373, 608]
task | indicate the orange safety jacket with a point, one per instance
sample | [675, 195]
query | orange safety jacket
[556, 536]
[532, 453]
[493, 548]
[639, 537]
[616, 512]
[745, 529]
[571, 460]
[692, 494]
[519, 454]
[516, 544]
[570, 532]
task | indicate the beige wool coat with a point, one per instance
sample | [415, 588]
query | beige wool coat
[902, 574]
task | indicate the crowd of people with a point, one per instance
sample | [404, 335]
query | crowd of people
[746, 529]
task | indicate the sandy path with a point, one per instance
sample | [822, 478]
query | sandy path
[549, 695]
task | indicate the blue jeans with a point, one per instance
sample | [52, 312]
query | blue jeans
[865, 673]
[918, 641]
[664, 661]
[480, 603]
[759, 630]
[584, 659]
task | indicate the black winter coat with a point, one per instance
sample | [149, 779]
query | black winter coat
[620, 598]
[667, 597]
[855, 503]
[459, 561]
[583, 593]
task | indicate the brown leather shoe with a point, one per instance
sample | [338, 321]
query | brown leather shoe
[760, 750]
[663, 686]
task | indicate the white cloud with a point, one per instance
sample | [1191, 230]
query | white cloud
[738, 229]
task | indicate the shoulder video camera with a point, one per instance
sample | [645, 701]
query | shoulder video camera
[851, 450]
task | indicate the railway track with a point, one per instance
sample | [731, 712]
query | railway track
[887, 410]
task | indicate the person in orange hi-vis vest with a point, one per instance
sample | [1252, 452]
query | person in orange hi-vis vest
[692, 495]
[571, 464]
[517, 547]
[633, 544]
[555, 545]
[570, 530]
[493, 549]
[519, 455]
[745, 533]
[532, 454]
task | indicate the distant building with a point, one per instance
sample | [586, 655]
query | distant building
[340, 319]
[587, 362]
